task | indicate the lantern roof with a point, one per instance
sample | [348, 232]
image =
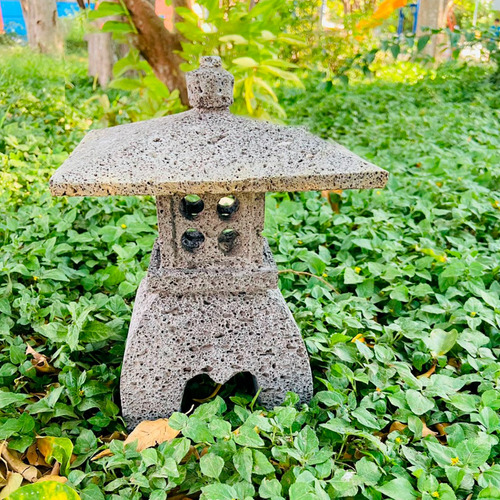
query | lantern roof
[209, 150]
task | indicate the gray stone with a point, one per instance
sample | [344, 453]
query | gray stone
[210, 303]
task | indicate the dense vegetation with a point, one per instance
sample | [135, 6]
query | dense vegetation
[401, 317]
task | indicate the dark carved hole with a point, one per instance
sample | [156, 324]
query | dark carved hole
[228, 240]
[191, 206]
[192, 240]
[242, 387]
[227, 207]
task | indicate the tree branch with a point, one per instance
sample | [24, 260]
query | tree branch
[157, 45]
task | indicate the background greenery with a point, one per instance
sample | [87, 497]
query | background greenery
[401, 321]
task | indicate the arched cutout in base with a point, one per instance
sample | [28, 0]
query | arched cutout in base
[201, 389]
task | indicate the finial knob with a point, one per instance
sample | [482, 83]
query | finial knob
[210, 86]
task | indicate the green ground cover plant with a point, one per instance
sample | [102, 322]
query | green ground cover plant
[396, 291]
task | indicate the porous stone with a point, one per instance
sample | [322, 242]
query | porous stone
[179, 331]
[210, 303]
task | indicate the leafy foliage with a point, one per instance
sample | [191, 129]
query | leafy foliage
[401, 317]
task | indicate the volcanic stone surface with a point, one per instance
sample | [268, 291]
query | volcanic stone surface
[210, 303]
[209, 150]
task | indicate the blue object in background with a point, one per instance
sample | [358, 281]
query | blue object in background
[414, 8]
[13, 19]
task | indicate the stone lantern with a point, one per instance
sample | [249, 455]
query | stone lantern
[210, 302]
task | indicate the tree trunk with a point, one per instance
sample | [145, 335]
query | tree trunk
[40, 17]
[101, 57]
[158, 46]
[431, 15]
[103, 52]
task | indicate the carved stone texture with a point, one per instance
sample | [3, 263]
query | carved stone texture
[210, 303]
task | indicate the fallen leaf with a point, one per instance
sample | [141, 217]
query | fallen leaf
[40, 361]
[14, 481]
[426, 431]
[51, 477]
[147, 434]
[103, 453]
[29, 472]
[441, 428]
[397, 426]
[121, 436]
[430, 371]
[151, 433]
[34, 457]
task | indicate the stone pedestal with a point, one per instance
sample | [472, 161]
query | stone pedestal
[220, 323]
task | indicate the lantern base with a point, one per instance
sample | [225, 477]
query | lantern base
[172, 338]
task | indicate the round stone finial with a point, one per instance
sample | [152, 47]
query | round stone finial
[210, 86]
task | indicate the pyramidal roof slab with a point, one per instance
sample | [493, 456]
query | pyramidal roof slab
[209, 150]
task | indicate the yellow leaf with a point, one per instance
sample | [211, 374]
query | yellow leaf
[56, 448]
[46, 490]
[249, 95]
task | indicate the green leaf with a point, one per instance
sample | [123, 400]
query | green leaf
[418, 403]
[218, 491]
[474, 452]
[440, 341]
[10, 398]
[243, 463]
[107, 9]
[261, 465]
[247, 436]
[422, 42]
[211, 465]
[197, 430]
[465, 402]
[351, 278]
[368, 471]
[124, 83]
[441, 454]
[306, 441]
[245, 62]
[398, 489]
[117, 27]
[270, 488]
[235, 39]
[364, 417]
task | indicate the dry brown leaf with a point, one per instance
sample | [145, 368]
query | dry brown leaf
[14, 481]
[151, 433]
[430, 371]
[441, 428]
[40, 361]
[116, 435]
[34, 457]
[103, 453]
[192, 451]
[427, 432]
[397, 426]
[29, 472]
[147, 434]
[52, 477]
